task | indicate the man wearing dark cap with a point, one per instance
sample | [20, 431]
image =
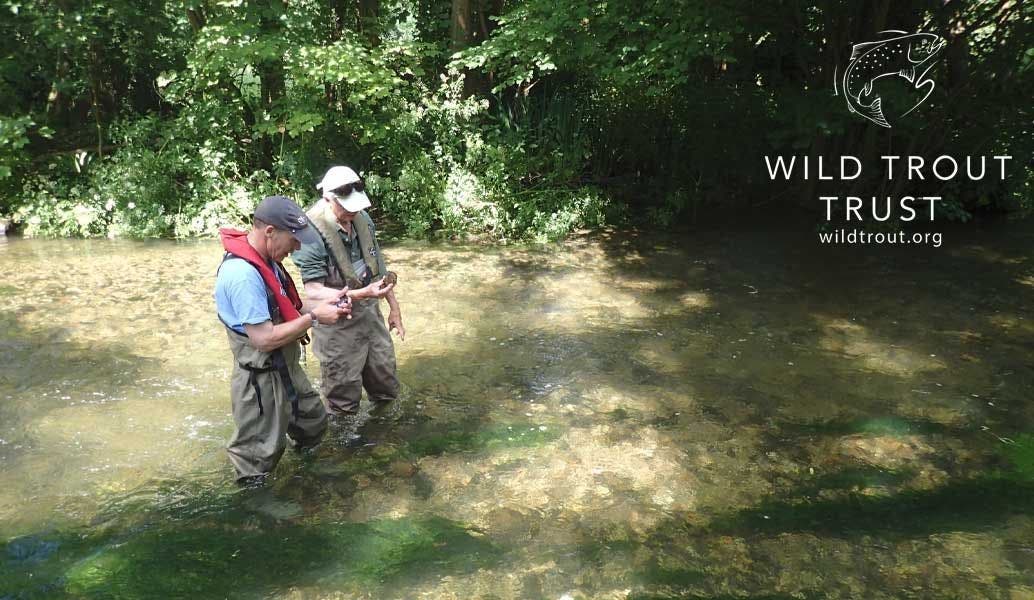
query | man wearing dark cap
[265, 319]
[357, 353]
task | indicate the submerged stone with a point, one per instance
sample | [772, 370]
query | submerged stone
[273, 507]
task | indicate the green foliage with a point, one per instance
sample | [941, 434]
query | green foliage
[413, 195]
[454, 176]
[14, 136]
[557, 115]
[161, 184]
[12, 139]
[653, 45]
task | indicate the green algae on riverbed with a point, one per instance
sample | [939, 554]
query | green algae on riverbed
[247, 559]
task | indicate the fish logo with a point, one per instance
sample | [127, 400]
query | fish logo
[897, 53]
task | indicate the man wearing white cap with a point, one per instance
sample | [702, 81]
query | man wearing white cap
[358, 352]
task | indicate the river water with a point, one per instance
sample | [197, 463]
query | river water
[619, 416]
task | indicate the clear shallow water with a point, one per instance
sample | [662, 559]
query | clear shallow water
[733, 415]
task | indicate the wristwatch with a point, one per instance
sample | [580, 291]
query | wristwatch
[315, 321]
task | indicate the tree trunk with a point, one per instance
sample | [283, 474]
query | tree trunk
[472, 24]
[462, 29]
[343, 18]
[57, 101]
[486, 10]
[271, 77]
[196, 19]
[462, 34]
[368, 10]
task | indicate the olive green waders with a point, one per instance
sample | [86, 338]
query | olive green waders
[356, 353]
[263, 411]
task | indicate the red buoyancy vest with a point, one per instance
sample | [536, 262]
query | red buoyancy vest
[236, 243]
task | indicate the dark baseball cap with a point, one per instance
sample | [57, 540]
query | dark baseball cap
[281, 212]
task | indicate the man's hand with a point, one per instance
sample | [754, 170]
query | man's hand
[377, 289]
[329, 311]
[395, 322]
[268, 337]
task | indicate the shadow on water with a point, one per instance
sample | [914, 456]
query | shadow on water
[960, 505]
[906, 302]
[779, 269]
[855, 479]
[233, 547]
[873, 426]
[853, 500]
[887, 434]
[42, 370]
[386, 446]
[971, 505]
[55, 360]
[676, 595]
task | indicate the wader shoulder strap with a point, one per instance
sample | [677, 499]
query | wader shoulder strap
[363, 227]
[322, 216]
[326, 245]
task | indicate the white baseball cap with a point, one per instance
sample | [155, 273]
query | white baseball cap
[346, 187]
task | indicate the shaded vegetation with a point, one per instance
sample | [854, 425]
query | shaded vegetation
[503, 119]
[185, 560]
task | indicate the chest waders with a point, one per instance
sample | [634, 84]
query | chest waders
[340, 272]
[356, 353]
[277, 362]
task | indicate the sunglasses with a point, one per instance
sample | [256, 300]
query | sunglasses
[348, 188]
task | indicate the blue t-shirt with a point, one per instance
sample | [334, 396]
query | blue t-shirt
[240, 295]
